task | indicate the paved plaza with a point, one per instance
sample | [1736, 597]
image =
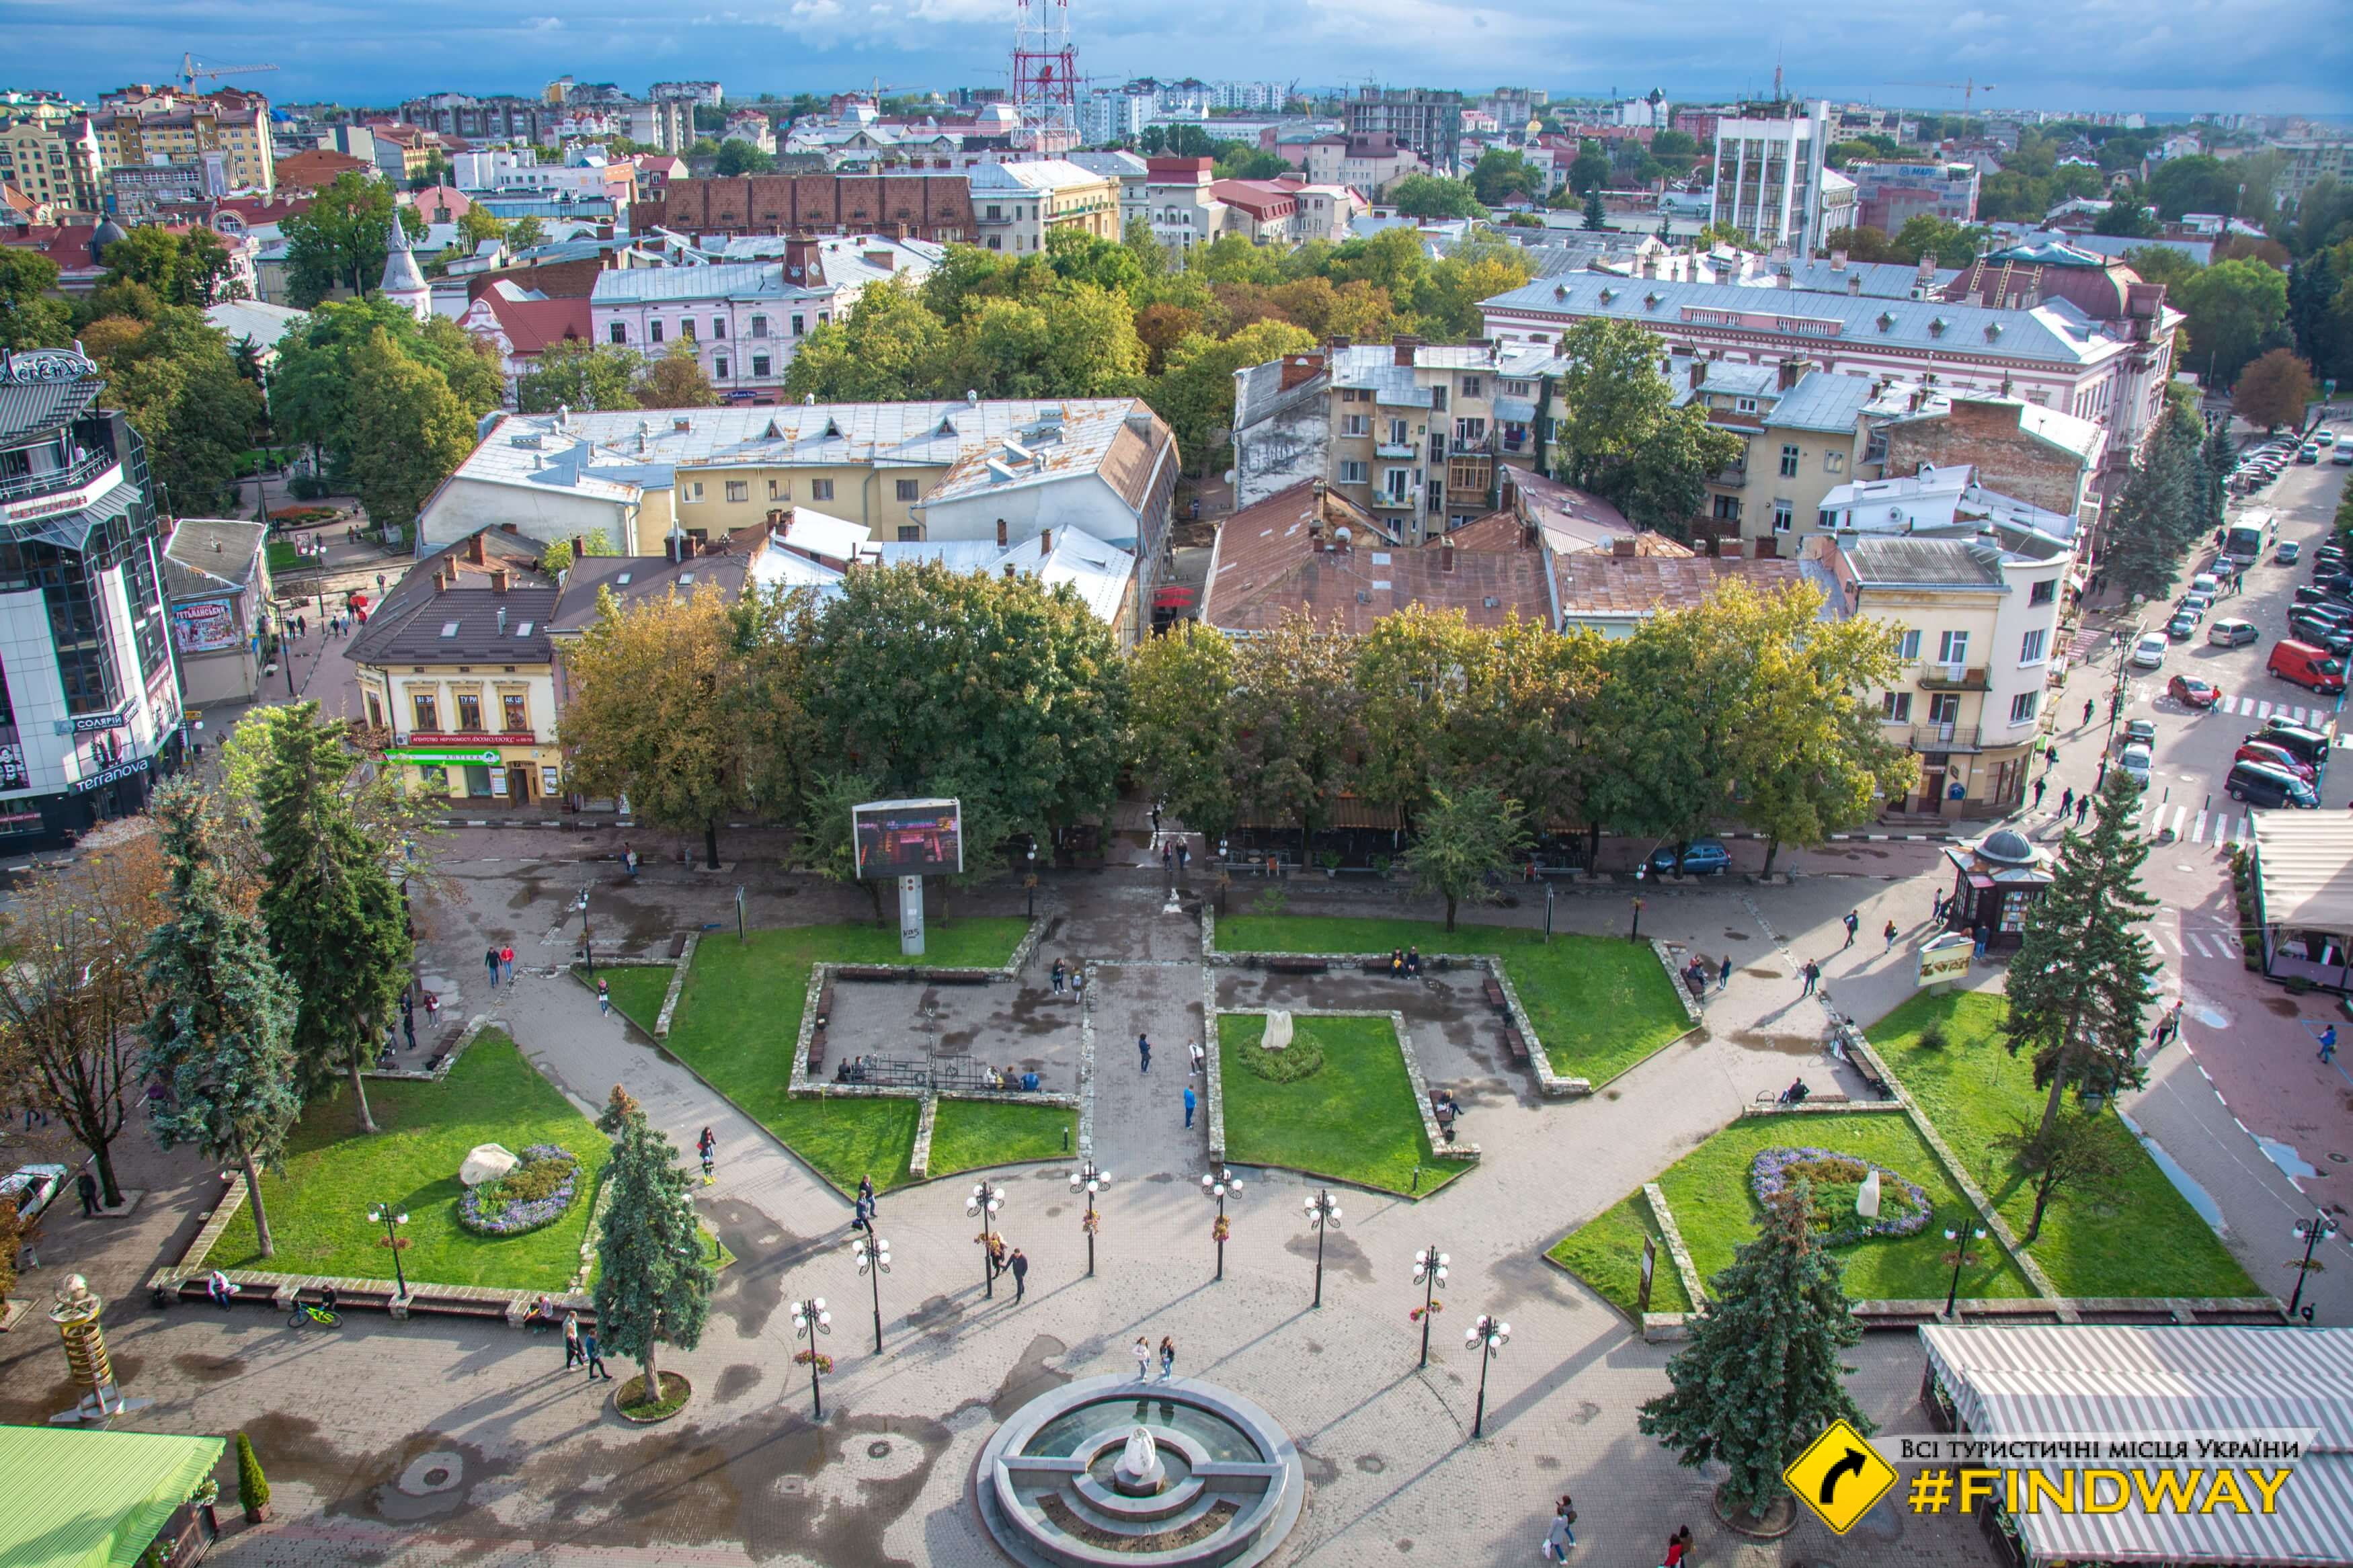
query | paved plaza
[439, 1440]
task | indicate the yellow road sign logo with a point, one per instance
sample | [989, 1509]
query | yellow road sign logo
[1840, 1477]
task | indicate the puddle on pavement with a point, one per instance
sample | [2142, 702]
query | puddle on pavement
[737, 1381]
[1787, 1044]
[1765, 973]
[1029, 1378]
[1341, 1255]
[208, 1368]
[2280, 1007]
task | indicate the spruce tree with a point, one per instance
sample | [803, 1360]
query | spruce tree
[1761, 1376]
[334, 912]
[217, 1036]
[652, 1286]
[2080, 981]
[2152, 523]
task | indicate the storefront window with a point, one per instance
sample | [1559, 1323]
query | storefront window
[2013, 910]
[477, 781]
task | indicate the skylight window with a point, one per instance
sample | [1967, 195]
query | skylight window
[523, 630]
[624, 578]
[449, 628]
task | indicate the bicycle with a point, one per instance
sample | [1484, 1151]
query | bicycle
[305, 1311]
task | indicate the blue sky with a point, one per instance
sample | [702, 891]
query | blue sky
[2258, 55]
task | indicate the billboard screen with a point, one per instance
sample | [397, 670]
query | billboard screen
[206, 626]
[908, 837]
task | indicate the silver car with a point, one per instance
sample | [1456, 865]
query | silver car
[2148, 653]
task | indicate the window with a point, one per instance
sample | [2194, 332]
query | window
[739, 490]
[1468, 432]
[1438, 445]
[1826, 519]
[1355, 425]
[997, 214]
[760, 367]
[1953, 647]
[718, 367]
[2042, 593]
[759, 326]
[1784, 517]
[1438, 399]
[1744, 406]
[1352, 473]
[620, 331]
[1471, 385]
[1788, 461]
[798, 330]
[910, 534]
[518, 712]
[820, 489]
[718, 328]
[1727, 508]
[1835, 462]
[1908, 644]
[1896, 707]
[994, 244]
[470, 714]
[1397, 482]
[778, 489]
[910, 490]
[2022, 707]
[428, 714]
[1945, 708]
[686, 329]
[2030, 651]
[695, 490]
[653, 331]
[375, 713]
[1396, 433]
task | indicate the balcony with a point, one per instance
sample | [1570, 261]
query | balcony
[1390, 501]
[74, 476]
[1952, 678]
[1732, 478]
[1944, 738]
[1474, 473]
[1404, 449]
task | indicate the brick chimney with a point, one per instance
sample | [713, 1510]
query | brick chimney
[440, 583]
[1045, 541]
[1000, 533]
[1624, 548]
[1446, 558]
[1300, 369]
[474, 549]
[1403, 346]
[1791, 370]
[498, 580]
[1698, 374]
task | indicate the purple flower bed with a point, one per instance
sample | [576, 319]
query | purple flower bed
[1904, 1207]
[513, 1216]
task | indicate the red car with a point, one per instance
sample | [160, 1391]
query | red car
[2193, 693]
[2280, 757]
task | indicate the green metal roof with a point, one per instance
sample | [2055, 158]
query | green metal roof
[92, 1499]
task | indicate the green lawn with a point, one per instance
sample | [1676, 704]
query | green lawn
[319, 1207]
[1354, 1121]
[1599, 1005]
[282, 557]
[845, 1137]
[2134, 1235]
[1708, 1192]
[1606, 1252]
[973, 1134]
[636, 990]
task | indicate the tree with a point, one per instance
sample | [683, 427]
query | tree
[2312, 290]
[30, 317]
[2157, 516]
[467, 363]
[1952, 244]
[676, 381]
[1591, 170]
[341, 239]
[2234, 307]
[2274, 391]
[189, 268]
[2082, 976]
[1596, 216]
[1196, 395]
[2079, 1151]
[653, 1288]
[659, 711]
[2162, 264]
[2198, 183]
[217, 1036]
[2127, 219]
[1464, 840]
[176, 381]
[888, 349]
[557, 557]
[580, 376]
[1179, 742]
[252, 1486]
[73, 992]
[408, 432]
[1434, 196]
[525, 232]
[738, 157]
[1299, 726]
[336, 922]
[1761, 1376]
[476, 225]
[1620, 434]
[1501, 174]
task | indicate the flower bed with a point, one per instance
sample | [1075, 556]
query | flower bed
[1835, 1178]
[299, 515]
[534, 1193]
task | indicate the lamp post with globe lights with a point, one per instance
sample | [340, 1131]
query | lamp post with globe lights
[1430, 1273]
[1960, 1255]
[1216, 1183]
[873, 1261]
[383, 1214]
[1486, 1336]
[984, 1203]
[809, 1320]
[1323, 1212]
[1087, 1179]
[2312, 1233]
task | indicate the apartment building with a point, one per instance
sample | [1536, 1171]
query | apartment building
[144, 125]
[502, 118]
[1427, 122]
[706, 93]
[2309, 163]
[1016, 205]
[1802, 432]
[746, 320]
[1769, 178]
[1134, 177]
[1179, 203]
[1113, 114]
[55, 158]
[1889, 195]
[1370, 163]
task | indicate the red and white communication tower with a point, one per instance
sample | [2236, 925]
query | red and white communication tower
[1045, 74]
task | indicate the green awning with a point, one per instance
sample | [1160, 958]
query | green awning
[92, 1499]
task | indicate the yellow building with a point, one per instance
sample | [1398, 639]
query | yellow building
[59, 159]
[144, 125]
[1016, 205]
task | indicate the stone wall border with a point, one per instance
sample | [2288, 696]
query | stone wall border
[1685, 1270]
[474, 1026]
[676, 985]
[1212, 1068]
[919, 1158]
[1458, 1152]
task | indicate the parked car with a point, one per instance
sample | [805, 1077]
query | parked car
[2182, 626]
[2140, 732]
[2307, 454]
[2231, 633]
[2333, 636]
[2148, 653]
[2287, 552]
[2208, 583]
[1701, 857]
[2279, 757]
[2305, 742]
[2310, 595]
[32, 1187]
[2136, 761]
[2324, 436]
[2307, 665]
[2262, 786]
[2196, 693]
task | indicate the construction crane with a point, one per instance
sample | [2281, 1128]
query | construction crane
[1968, 89]
[190, 71]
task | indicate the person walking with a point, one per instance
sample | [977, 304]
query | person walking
[1059, 976]
[1143, 1054]
[1562, 1533]
[862, 1214]
[604, 996]
[1813, 974]
[1184, 858]
[1678, 1548]
[86, 1185]
[1853, 924]
[506, 964]
[1077, 985]
[706, 1142]
[1724, 974]
[408, 1020]
[1201, 1060]
[1188, 1105]
[2089, 708]
[2067, 800]
[491, 962]
[2039, 786]
[1167, 861]
[2328, 1043]
[866, 1190]
[1020, 1267]
[1143, 1353]
[2083, 807]
[1168, 1357]
[1890, 934]
[588, 1356]
[572, 1356]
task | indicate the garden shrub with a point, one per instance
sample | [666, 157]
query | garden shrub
[1833, 1179]
[1303, 1057]
[536, 1193]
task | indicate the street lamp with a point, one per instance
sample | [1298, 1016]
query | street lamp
[1323, 1212]
[1635, 933]
[1087, 1179]
[384, 1216]
[873, 1262]
[2312, 1233]
[985, 1202]
[1430, 1273]
[809, 1320]
[1031, 881]
[1960, 1256]
[1216, 1184]
[587, 942]
[1486, 1336]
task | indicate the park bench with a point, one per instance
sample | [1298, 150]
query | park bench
[816, 1048]
[456, 1307]
[678, 946]
[1515, 1046]
[1297, 963]
[825, 1005]
[869, 971]
[1374, 966]
[959, 977]
[1493, 992]
[1878, 1084]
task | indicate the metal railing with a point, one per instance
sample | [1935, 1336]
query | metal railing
[1944, 738]
[71, 476]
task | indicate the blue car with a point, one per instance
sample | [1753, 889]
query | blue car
[1704, 857]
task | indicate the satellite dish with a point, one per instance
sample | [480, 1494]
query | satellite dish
[1229, 476]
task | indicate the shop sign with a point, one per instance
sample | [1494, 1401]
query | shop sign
[439, 757]
[112, 775]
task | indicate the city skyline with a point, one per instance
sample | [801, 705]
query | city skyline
[2255, 58]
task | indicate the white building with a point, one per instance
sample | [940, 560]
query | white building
[747, 319]
[1768, 178]
[1113, 114]
[1013, 205]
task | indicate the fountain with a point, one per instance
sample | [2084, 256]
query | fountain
[1107, 1469]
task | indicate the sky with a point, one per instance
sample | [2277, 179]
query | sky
[2250, 56]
